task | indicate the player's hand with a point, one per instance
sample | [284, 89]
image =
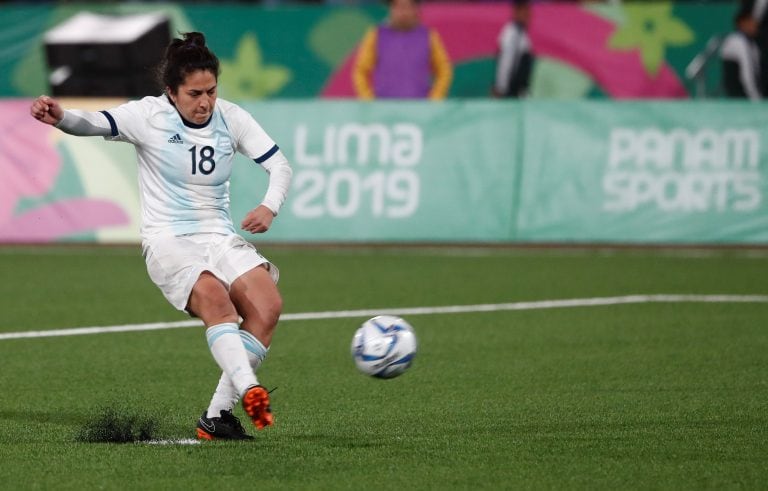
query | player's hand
[258, 220]
[47, 110]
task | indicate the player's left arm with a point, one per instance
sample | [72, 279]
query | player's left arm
[253, 142]
[441, 67]
[280, 173]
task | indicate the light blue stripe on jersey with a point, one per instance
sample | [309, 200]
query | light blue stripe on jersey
[253, 345]
[215, 332]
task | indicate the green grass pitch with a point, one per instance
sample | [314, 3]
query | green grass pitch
[641, 396]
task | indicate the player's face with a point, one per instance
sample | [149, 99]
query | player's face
[196, 97]
[403, 14]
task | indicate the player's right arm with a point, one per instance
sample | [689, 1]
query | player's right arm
[47, 110]
[72, 121]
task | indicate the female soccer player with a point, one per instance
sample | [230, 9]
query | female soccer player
[185, 140]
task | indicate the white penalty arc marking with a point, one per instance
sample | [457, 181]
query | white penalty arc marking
[450, 309]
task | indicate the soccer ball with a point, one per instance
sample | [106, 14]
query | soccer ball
[384, 346]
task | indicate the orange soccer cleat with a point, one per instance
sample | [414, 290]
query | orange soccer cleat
[256, 405]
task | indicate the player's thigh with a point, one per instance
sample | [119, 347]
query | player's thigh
[234, 257]
[255, 294]
[252, 279]
[174, 264]
[210, 300]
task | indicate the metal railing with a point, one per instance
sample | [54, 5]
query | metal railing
[697, 69]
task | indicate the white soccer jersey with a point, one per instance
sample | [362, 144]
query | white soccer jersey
[184, 168]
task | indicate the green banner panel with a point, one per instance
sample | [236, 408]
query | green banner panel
[399, 170]
[644, 172]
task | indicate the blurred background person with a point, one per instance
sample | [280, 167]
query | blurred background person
[402, 58]
[514, 61]
[741, 58]
[759, 8]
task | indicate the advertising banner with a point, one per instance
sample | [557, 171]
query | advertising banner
[409, 171]
[644, 172]
[457, 171]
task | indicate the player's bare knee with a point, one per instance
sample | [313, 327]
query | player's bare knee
[262, 320]
[275, 309]
[210, 301]
[219, 304]
[270, 313]
[214, 312]
[268, 317]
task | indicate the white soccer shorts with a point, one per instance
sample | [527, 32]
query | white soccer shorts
[175, 263]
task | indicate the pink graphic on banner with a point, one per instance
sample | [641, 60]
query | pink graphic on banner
[567, 33]
[580, 38]
[30, 165]
[60, 219]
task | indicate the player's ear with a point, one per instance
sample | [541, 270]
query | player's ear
[170, 94]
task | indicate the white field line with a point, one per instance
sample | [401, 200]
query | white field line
[181, 441]
[450, 309]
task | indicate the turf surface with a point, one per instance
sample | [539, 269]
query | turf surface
[671, 396]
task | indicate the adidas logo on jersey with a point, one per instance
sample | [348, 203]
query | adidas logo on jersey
[175, 139]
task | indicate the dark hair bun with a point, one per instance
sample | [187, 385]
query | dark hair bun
[194, 39]
[184, 56]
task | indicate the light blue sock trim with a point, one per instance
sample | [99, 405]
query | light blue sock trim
[253, 345]
[215, 332]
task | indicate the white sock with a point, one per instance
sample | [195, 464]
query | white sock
[228, 350]
[225, 396]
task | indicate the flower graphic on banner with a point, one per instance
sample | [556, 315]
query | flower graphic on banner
[31, 166]
[247, 77]
[650, 27]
